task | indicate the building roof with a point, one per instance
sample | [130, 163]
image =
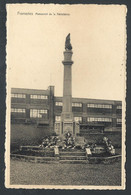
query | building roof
[74, 99]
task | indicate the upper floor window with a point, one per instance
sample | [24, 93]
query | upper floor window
[58, 103]
[57, 118]
[18, 95]
[77, 118]
[119, 107]
[77, 104]
[21, 110]
[109, 106]
[119, 120]
[34, 113]
[92, 119]
[38, 96]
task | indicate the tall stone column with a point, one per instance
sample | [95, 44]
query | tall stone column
[67, 82]
[67, 115]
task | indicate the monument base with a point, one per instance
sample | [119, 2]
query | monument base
[68, 127]
[61, 128]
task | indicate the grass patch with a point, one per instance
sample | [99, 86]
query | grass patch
[26, 173]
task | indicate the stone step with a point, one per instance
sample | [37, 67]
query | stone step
[38, 153]
[72, 157]
[90, 132]
[72, 153]
[74, 161]
[34, 158]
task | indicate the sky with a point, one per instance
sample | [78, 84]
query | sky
[36, 41]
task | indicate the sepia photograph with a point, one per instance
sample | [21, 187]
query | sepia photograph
[66, 93]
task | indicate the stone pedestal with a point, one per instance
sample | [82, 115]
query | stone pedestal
[61, 128]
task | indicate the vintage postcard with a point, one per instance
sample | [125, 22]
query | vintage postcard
[66, 90]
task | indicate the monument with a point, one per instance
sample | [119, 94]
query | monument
[67, 123]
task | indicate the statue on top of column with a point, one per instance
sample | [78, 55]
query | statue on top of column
[68, 45]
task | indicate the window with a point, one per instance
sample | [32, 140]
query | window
[57, 118]
[119, 107]
[78, 118]
[109, 106]
[20, 110]
[58, 103]
[18, 95]
[77, 104]
[119, 120]
[34, 113]
[92, 119]
[38, 96]
[90, 105]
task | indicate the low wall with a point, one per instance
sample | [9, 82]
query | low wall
[22, 134]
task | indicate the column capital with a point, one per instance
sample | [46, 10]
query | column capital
[67, 62]
[68, 55]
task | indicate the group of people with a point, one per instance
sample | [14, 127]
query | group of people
[49, 142]
[69, 142]
[109, 147]
[106, 144]
[53, 141]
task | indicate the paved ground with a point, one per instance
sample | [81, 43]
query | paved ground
[26, 173]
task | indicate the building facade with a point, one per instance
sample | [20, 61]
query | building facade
[43, 109]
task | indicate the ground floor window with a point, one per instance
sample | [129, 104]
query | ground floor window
[78, 118]
[99, 119]
[35, 113]
[57, 118]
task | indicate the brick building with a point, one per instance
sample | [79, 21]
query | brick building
[41, 109]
